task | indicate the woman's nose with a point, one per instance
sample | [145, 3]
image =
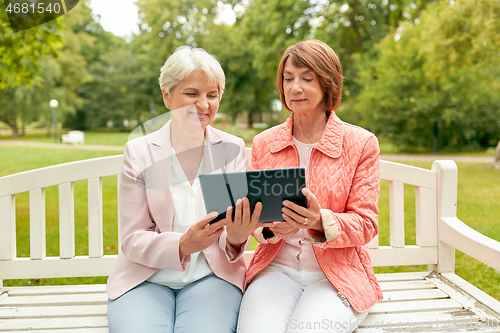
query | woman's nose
[202, 103]
[296, 87]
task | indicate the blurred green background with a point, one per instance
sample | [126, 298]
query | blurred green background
[421, 74]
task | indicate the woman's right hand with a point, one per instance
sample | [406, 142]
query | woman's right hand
[283, 230]
[201, 235]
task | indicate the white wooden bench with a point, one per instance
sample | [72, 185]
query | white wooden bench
[75, 137]
[433, 300]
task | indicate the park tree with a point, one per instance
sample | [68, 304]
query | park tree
[114, 84]
[197, 23]
[164, 26]
[22, 63]
[54, 75]
[435, 82]
[26, 103]
[21, 52]
[350, 27]
[245, 92]
[116, 90]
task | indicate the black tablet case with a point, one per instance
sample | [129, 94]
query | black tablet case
[270, 187]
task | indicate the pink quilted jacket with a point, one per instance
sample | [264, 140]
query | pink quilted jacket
[344, 176]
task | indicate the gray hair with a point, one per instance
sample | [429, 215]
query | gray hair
[186, 59]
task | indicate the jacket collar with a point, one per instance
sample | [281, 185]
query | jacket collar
[161, 149]
[159, 146]
[330, 143]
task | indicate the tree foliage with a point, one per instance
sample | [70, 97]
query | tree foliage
[52, 75]
[420, 72]
[20, 52]
[245, 92]
[435, 83]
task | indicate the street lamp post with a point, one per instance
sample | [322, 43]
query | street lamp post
[54, 104]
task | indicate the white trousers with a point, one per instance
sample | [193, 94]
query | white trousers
[283, 299]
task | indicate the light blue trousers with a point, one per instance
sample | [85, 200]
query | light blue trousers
[208, 305]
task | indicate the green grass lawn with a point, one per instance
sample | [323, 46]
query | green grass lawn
[478, 206]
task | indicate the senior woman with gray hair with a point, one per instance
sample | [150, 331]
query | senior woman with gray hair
[177, 271]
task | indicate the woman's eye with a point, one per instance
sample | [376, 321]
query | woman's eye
[307, 79]
[212, 96]
[288, 79]
[191, 94]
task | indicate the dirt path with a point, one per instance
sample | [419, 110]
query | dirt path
[58, 145]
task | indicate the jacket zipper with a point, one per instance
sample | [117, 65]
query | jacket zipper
[343, 299]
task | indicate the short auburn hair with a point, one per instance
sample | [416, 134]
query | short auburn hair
[323, 61]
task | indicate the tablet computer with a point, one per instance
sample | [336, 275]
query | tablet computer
[270, 187]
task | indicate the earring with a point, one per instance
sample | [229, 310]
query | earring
[168, 106]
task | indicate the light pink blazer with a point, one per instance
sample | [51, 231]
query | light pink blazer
[146, 210]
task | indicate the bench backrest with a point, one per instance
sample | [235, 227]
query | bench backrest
[67, 264]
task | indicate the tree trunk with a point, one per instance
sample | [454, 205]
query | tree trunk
[250, 119]
[23, 127]
[13, 125]
[435, 147]
[497, 156]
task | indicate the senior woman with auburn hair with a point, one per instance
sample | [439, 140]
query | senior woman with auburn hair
[312, 272]
[176, 272]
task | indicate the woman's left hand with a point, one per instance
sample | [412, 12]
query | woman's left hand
[301, 217]
[245, 222]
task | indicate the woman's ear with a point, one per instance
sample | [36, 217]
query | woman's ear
[166, 98]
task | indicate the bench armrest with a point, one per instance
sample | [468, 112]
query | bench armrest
[460, 236]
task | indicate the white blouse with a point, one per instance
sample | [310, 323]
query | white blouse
[304, 150]
[297, 251]
[188, 211]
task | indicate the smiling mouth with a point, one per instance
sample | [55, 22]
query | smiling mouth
[298, 100]
[199, 115]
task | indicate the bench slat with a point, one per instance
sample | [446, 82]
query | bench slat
[51, 300]
[425, 217]
[406, 285]
[55, 323]
[51, 267]
[409, 255]
[95, 218]
[407, 174]
[56, 290]
[416, 306]
[37, 224]
[418, 322]
[393, 277]
[8, 227]
[397, 214]
[59, 174]
[412, 295]
[53, 311]
[67, 220]
[77, 330]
